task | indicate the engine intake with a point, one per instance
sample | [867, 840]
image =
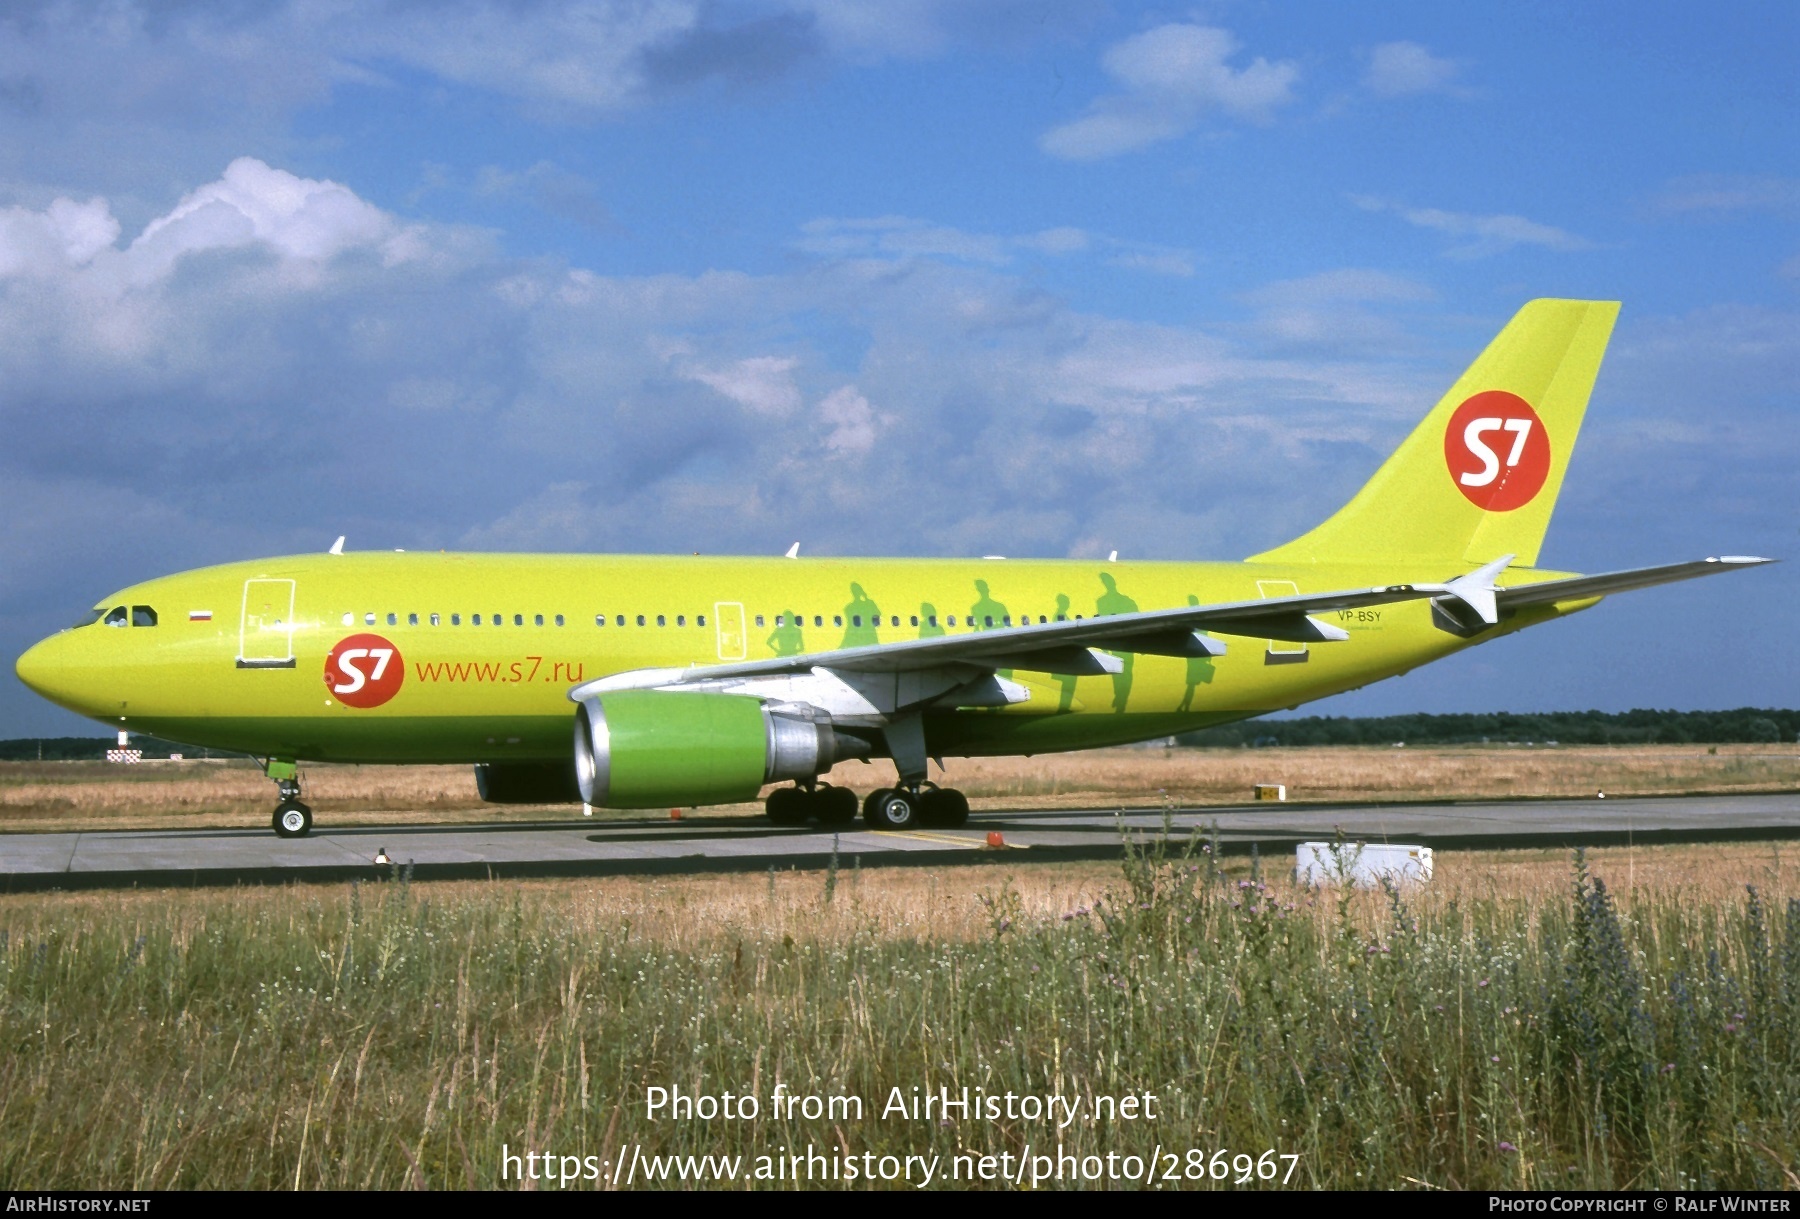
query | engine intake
[647, 748]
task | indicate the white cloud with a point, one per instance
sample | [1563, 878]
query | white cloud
[1171, 78]
[853, 426]
[1397, 69]
[1488, 234]
[764, 384]
[1727, 193]
[66, 234]
[900, 238]
[254, 204]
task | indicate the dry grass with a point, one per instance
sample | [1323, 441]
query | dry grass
[41, 796]
[697, 913]
[1511, 1026]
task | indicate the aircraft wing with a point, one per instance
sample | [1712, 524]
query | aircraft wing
[1579, 588]
[1063, 647]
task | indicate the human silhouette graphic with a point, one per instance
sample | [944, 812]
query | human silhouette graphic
[786, 639]
[1199, 671]
[1065, 681]
[861, 617]
[929, 626]
[987, 613]
[1112, 601]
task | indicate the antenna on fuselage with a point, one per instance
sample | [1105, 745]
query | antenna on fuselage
[793, 552]
[337, 547]
[1113, 557]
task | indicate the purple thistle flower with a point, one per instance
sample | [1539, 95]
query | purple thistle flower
[1507, 1147]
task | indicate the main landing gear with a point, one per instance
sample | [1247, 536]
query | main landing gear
[292, 818]
[905, 808]
[828, 805]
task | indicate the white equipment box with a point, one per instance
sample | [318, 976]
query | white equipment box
[1361, 864]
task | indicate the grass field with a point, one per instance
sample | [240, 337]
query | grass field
[1631, 1021]
[169, 795]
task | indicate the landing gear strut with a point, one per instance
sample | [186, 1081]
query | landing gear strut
[292, 819]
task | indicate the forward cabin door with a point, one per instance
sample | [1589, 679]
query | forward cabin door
[1281, 652]
[734, 643]
[266, 625]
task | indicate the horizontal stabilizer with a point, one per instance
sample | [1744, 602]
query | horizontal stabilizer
[1580, 588]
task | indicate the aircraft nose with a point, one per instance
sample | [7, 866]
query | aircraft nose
[50, 669]
[36, 668]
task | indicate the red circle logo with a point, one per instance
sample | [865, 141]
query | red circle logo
[1497, 451]
[364, 671]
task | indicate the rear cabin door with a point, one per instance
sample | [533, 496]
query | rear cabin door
[266, 625]
[734, 644]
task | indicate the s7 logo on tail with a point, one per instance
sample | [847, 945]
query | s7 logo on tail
[364, 671]
[1497, 451]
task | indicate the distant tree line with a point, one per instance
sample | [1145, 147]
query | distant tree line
[93, 749]
[1744, 726]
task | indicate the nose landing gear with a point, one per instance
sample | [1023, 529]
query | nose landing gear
[292, 819]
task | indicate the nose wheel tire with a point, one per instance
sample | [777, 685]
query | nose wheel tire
[892, 808]
[292, 819]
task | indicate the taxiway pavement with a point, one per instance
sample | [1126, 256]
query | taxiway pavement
[581, 847]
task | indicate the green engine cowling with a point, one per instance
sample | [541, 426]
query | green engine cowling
[654, 748]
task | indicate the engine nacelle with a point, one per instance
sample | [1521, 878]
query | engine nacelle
[651, 748]
[527, 783]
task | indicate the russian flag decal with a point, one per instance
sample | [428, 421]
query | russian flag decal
[199, 615]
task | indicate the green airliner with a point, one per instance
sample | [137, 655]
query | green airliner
[702, 680]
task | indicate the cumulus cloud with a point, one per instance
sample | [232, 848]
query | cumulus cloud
[1486, 234]
[64, 235]
[1397, 69]
[1171, 78]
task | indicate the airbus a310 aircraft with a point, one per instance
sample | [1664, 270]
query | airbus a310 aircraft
[701, 680]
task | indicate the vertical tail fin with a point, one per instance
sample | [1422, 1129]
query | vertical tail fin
[1479, 476]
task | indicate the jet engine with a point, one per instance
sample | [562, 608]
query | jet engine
[651, 748]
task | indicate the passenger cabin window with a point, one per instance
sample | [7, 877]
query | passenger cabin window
[659, 621]
[118, 616]
[701, 621]
[412, 620]
[539, 621]
[369, 619]
[519, 620]
[349, 618]
[680, 619]
[143, 615]
[559, 620]
[759, 620]
[393, 619]
[435, 621]
[599, 619]
[475, 619]
[456, 620]
[818, 621]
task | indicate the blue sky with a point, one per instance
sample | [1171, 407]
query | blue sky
[904, 277]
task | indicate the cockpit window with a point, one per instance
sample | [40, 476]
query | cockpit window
[117, 616]
[92, 617]
[143, 615]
